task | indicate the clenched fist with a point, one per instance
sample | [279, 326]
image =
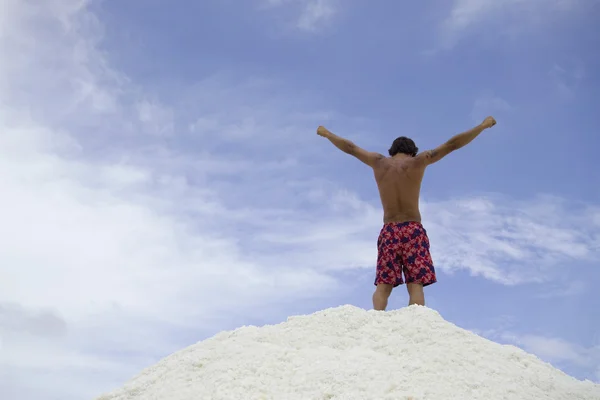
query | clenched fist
[489, 122]
[322, 131]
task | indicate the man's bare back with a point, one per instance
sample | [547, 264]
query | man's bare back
[399, 182]
[403, 244]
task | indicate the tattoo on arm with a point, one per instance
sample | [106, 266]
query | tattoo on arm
[434, 155]
[431, 154]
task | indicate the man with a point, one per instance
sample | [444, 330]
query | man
[403, 245]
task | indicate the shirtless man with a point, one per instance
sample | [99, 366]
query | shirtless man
[403, 245]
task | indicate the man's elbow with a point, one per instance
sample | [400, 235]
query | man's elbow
[349, 148]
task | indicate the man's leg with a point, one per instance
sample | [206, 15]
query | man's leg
[381, 295]
[418, 266]
[389, 266]
[415, 293]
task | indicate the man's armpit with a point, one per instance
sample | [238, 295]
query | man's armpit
[435, 155]
[431, 153]
[428, 156]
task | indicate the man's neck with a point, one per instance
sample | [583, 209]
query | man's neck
[400, 156]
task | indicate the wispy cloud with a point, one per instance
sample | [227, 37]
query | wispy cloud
[105, 228]
[564, 289]
[309, 14]
[510, 241]
[566, 80]
[503, 17]
[315, 13]
[556, 351]
[489, 104]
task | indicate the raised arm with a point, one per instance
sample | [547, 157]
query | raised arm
[348, 147]
[455, 143]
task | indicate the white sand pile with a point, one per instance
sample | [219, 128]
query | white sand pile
[350, 353]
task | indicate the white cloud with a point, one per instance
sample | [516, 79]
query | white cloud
[309, 14]
[98, 224]
[509, 242]
[559, 352]
[502, 17]
[315, 13]
[158, 120]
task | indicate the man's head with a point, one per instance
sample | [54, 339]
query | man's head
[403, 145]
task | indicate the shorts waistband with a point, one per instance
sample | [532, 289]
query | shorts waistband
[401, 224]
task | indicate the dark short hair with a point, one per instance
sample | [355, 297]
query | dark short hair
[403, 145]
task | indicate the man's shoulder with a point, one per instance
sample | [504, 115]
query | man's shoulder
[416, 163]
[381, 161]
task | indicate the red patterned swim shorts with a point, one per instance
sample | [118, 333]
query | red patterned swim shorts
[404, 247]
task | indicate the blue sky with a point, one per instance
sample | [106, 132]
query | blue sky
[162, 180]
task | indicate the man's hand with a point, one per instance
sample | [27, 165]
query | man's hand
[488, 122]
[322, 131]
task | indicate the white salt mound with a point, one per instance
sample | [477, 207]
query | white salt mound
[350, 353]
